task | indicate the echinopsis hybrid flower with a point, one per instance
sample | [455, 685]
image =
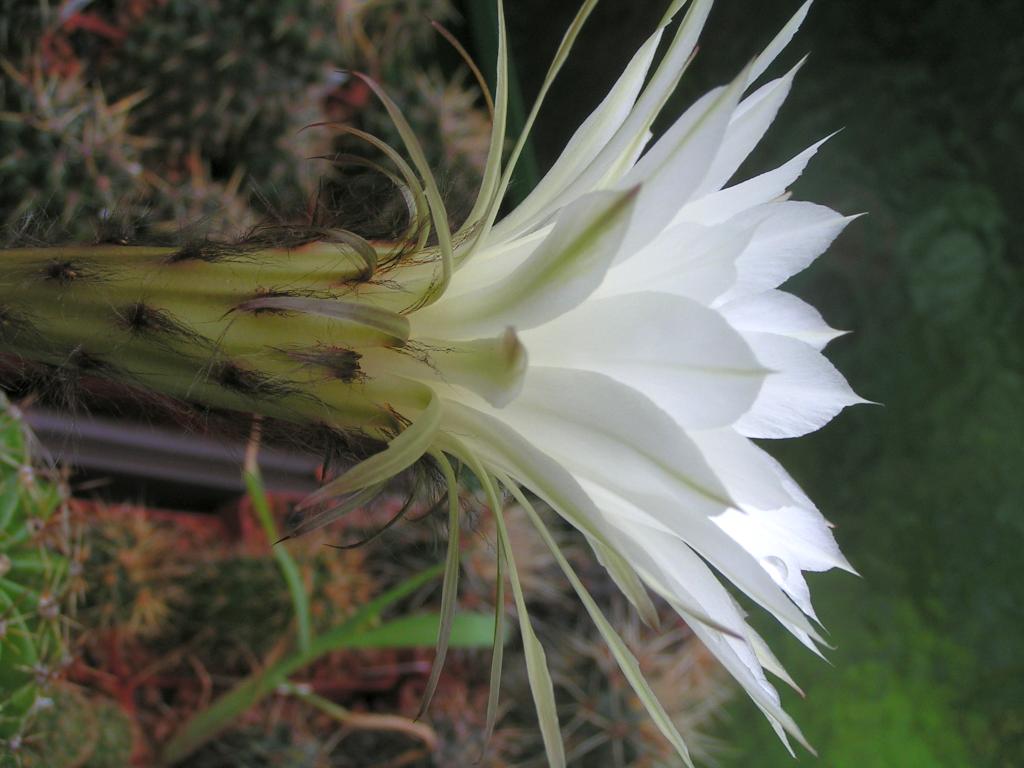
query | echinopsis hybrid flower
[611, 346]
[644, 292]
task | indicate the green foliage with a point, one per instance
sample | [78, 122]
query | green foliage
[890, 697]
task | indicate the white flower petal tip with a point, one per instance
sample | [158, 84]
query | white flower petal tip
[612, 344]
[780, 42]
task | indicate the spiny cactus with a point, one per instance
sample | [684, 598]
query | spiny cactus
[65, 150]
[81, 730]
[33, 574]
[608, 725]
[178, 112]
[390, 41]
[233, 80]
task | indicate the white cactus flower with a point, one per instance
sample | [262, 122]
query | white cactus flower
[611, 347]
[613, 344]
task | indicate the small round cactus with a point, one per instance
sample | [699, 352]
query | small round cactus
[33, 574]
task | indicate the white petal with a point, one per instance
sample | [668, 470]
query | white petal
[787, 541]
[673, 571]
[685, 260]
[500, 446]
[769, 660]
[750, 122]
[671, 171]
[566, 267]
[781, 313]
[633, 133]
[667, 564]
[779, 42]
[723, 205]
[633, 516]
[494, 263]
[639, 469]
[775, 521]
[785, 243]
[684, 357]
[802, 395]
[595, 426]
[583, 147]
[742, 662]
[750, 475]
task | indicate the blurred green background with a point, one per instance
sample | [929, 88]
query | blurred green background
[927, 491]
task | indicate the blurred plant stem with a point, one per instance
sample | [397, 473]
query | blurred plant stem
[364, 720]
[289, 568]
[209, 722]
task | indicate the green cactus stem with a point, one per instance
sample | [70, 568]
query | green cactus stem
[313, 334]
[203, 323]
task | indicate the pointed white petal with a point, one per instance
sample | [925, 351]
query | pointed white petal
[487, 222]
[770, 661]
[781, 313]
[740, 659]
[813, 541]
[501, 447]
[629, 139]
[561, 410]
[583, 147]
[723, 205]
[787, 541]
[676, 573]
[785, 243]
[636, 514]
[627, 580]
[684, 357]
[671, 171]
[803, 394]
[749, 474]
[639, 469]
[779, 42]
[494, 263]
[672, 570]
[750, 122]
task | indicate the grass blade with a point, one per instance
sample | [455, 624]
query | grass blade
[288, 566]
